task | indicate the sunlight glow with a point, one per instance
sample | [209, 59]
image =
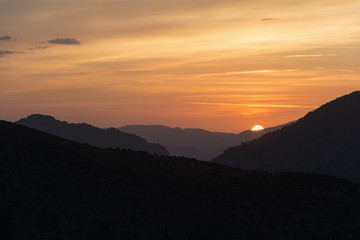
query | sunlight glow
[257, 128]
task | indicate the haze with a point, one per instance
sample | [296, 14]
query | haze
[219, 65]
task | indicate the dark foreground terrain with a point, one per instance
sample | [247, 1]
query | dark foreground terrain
[51, 188]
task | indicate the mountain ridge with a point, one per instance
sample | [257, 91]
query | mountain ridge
[323, 141]
[86, 133]
[193, 142]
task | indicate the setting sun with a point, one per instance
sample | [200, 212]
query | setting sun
[257, 128]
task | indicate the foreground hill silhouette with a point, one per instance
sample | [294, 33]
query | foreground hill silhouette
[193, 142]
[85, 133]
[326, 140]
[52, 188]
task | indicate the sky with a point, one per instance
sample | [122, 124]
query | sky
[219, 65]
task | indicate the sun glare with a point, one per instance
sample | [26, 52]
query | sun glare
[257, 128]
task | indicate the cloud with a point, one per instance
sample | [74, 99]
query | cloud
[41, 47]
[267, 19]
[310, 55]
[4, 53]
[6, 38]
[249, 72]
[66, 41]
[256, 105]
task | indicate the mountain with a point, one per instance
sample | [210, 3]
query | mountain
[192, 142]
[85, 133]
[326, 140]
[52, 188]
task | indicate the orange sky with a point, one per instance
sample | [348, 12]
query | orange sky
[219, 65]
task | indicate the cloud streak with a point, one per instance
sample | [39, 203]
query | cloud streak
[262, 71]
[41, 47]
[65, 41]
[311, 55]
[267, 19]
[4, 53]
[255, 105]
[6, 38]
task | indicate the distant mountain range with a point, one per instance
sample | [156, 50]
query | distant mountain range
[192, 142]
[326, 140]
[85, 133]
[52, 188]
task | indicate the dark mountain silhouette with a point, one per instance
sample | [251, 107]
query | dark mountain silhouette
[326, 140]
[193, 142]
[52, 188]
[85, 133]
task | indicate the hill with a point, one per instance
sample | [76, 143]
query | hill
[52, 188]
[193, 142]
[85, 133]
[326, 140]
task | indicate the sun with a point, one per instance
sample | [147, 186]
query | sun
[257, 128]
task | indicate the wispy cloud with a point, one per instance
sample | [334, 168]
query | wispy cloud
[65, 41]
[250, 72]
[310, 55]
[4, 53]
[256, 105]
[268, 19]
[40, 47]
[6, 38]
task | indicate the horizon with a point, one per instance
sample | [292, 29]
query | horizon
[117, 127]
[220, 66]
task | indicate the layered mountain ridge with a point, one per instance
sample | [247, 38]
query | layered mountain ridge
[86, 133]
[192, 142]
